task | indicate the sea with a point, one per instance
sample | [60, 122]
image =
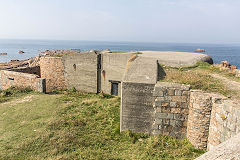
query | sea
[32, 48]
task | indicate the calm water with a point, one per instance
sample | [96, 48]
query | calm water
[31, 48]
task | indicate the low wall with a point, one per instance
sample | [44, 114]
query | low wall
[155, 109]
[212, 119]
[22, 80]
[225, 121]
[199, 118]
[31, 70]
[52, 69]
[171, 109]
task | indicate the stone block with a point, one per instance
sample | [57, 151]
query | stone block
[180, 117]
[166, 121]
[179, 123]
[165, 109]
[165, 104]
[176, 110]
[159, 92]
[164, 115]
[178, 92]
[179, 99]
[168, 98]
[170, 92]
[186, 93]
[173, 104]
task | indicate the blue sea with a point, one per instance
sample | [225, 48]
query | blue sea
[219, 52]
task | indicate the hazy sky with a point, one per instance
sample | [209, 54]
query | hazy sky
[210, 21]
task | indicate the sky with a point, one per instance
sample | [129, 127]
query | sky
[178, 21]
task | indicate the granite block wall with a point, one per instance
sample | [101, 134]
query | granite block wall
[155, 109]
[21, 80]
[171, 109]
[52, 69]
[225, 121]
[199, 118]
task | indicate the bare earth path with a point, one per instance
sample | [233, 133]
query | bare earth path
[18, 101]
[229, 84]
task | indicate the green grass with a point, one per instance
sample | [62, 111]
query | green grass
[13, 92]
[73, 125]
[199, 77]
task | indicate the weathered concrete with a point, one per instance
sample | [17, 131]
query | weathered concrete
[177, 59]
[141, 70]
[113, 68]
[229, 149]
[80, 71]
[137, 107]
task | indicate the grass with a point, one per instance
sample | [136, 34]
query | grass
[13, 92]
[74, 125]
[199, 77]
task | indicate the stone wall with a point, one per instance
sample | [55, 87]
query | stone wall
[212, 119]
[199, 118]
[155, 109]
[31, 70]
[225, 121]
[52, 70]
[171, 109]
[21, 80]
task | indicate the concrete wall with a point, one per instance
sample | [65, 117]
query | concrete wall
[171, 109]
[113, 68]
[137, 107]
[22, 80]
[80, 71]
[52, 69]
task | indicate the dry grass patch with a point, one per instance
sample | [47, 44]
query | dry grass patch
[198, 78]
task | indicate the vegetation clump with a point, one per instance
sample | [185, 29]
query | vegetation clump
[74, 125]
[12, 92]
[199, 77]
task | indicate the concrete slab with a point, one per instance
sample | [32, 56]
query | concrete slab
[176, 59]
[141, 70]
[229, 149]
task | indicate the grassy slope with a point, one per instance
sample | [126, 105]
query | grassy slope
[74, 125]
[200, 78]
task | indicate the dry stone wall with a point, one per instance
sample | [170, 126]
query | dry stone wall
[199, 118]
[171, 109]
[21, 80]
[225, 121]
